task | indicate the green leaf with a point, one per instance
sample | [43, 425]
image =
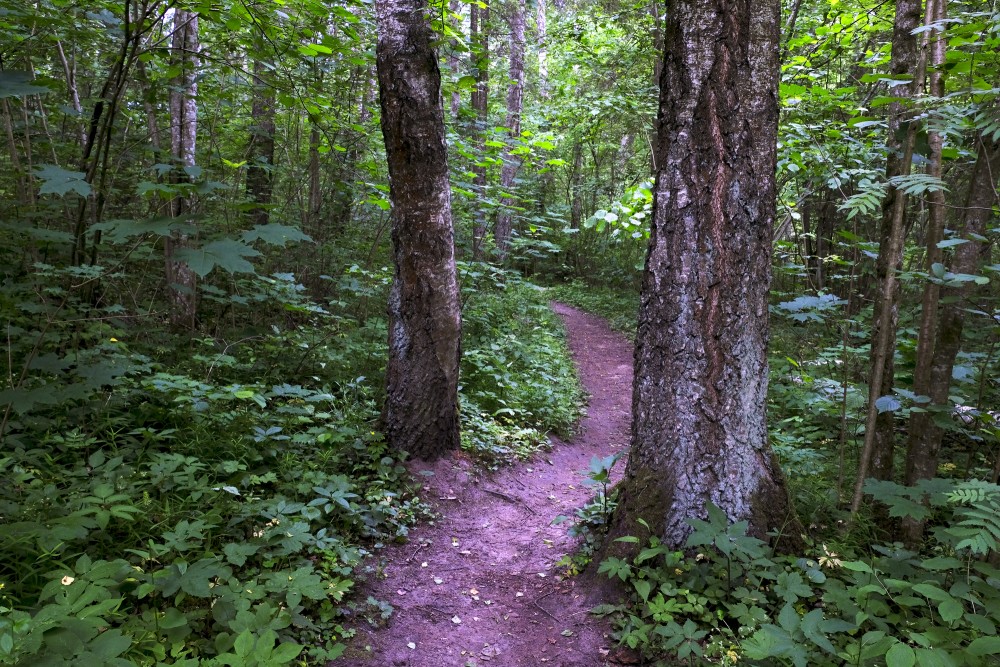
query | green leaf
[285, 653]
[950, 610]
[984, 646]
[887, 404]
[16, 84]
[275, 234]
[59, 181]
[109, 644]
[951, 243]
[642, 587]
[228, 254]
[900, 655]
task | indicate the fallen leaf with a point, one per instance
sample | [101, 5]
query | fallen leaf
[456, 620]
[438, 580]
[411, 646]
[566, 633]
[473, 591]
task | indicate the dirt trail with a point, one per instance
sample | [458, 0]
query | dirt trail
[480, 586]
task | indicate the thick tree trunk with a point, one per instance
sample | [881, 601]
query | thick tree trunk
[877, 454]
[181, 280]
[421, 407]
[479, 38]
[260, 175]
[503, 229]
[699, 402]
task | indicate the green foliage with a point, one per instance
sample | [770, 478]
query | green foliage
[593, 520]
[735, 600]
[618, 307]
[209, 500]
[518, 380]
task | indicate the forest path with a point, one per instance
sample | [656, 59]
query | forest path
[480, 586]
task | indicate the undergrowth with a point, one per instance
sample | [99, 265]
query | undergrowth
[209, 502]
[728, 598]
[619, 307]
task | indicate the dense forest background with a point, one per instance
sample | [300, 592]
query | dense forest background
[194, 272]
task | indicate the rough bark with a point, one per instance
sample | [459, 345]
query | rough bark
[503, 229]
[260, 175]
[181, 280]
[479, 38]
[699, 397]
[886, 316]
[421, 407]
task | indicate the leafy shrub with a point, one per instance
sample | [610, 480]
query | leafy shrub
[736, 601]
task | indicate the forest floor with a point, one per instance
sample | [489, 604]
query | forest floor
[480, 586]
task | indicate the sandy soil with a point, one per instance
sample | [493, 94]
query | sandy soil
[479, 586]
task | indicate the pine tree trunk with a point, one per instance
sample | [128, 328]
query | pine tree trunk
[701, 374]
[503, 229]
[421, 407]
[181, 280]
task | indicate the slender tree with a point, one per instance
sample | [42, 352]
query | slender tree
[503, 228]
[925, 435]
[699, 431]
[421, 407]
[877, 454]
[181, 280]
[480, 39]
[260, 173]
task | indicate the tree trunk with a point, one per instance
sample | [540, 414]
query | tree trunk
[315, 199]
[878, 449]
[260, 175]
[575, 185]
[515, 99]
[699, 430]
[181, 280]
[479, 39]
[925, 435]
[543, 51]
[455, 7]
[421, 407]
